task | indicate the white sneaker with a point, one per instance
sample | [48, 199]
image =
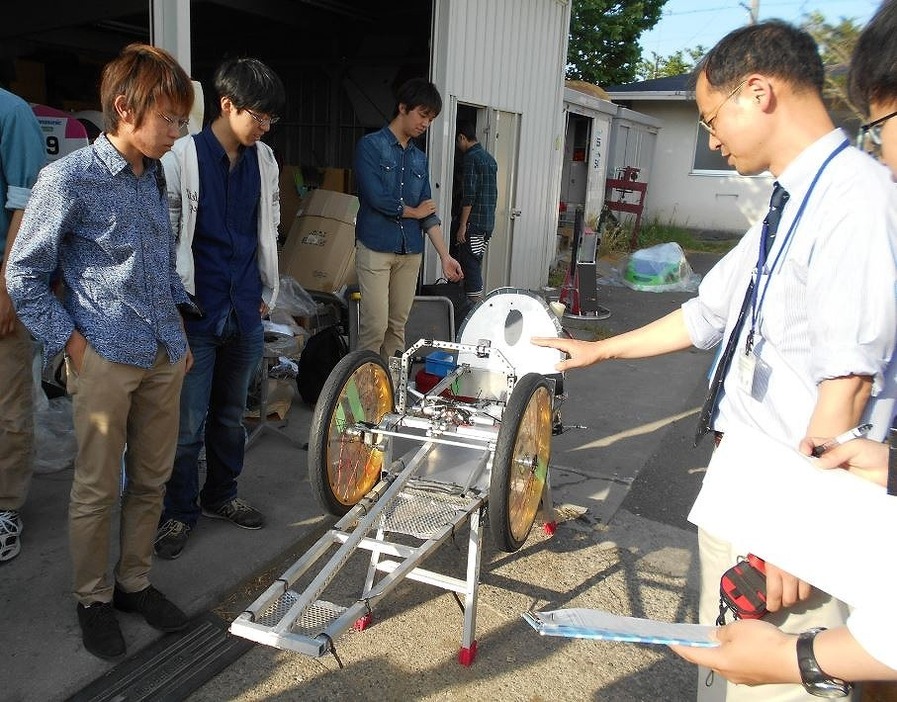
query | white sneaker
[10, 530]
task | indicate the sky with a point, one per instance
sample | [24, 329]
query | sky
[687, 23]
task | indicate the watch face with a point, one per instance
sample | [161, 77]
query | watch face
[828, 689]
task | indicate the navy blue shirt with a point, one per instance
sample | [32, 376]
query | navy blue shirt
[390, 177]
[225, 241]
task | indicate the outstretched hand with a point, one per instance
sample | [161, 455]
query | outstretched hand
[581, 353]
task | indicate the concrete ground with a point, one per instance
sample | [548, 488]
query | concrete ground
[622, 486]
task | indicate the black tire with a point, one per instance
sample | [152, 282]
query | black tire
[520, 464]
[341, 467]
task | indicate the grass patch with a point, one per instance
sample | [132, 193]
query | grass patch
[653, 233]
[617, 239]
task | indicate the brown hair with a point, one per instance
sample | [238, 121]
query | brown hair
[145, 75]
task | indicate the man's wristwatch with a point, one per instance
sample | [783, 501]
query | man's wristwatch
[815, 681]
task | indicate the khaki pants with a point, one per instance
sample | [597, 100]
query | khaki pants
[16, 417]
[820, 610]
[387, 282]
[116, 404]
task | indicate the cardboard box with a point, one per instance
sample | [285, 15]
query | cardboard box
[320, 249]
[337, 179]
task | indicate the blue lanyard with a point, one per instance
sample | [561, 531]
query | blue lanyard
[756, 305]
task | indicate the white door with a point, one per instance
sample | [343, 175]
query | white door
[501, 139]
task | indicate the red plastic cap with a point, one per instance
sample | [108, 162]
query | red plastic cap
[466, 655]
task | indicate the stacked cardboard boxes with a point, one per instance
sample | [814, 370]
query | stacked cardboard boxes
[319, 251]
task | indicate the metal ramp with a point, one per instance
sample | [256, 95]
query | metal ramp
[422, 512]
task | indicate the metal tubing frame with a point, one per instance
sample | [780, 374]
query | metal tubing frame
[361, 518]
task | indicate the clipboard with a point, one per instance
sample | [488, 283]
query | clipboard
[582, 623]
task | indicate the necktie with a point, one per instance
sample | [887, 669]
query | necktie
[768, 233]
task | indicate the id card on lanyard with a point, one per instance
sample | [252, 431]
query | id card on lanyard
[750, 366]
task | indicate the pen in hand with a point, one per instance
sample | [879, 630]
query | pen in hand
[855, 433]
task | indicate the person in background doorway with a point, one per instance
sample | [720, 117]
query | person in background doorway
[98, 219]
[21, 157]
[479, 195]
[224, 203]
[395, 209]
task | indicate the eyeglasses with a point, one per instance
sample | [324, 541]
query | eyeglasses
[869, 136]
[174, 121]
[708, 122]
[264, 121]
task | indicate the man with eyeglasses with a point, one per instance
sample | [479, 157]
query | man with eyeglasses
[873, 84]
[97, 222]
[755, 652]
[224, 205]
[810, 304]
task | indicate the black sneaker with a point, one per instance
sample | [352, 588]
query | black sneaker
[100, 632]
[171, 538]
[152, 604]
[238, 512]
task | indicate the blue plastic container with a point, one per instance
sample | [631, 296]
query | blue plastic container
[439, 363]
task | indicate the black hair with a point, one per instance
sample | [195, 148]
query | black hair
[873, 67]
[773, 48]
[418, 92]
[466, 128]
[250, 84]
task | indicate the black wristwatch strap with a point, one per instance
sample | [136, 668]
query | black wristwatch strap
[815, 681]
[892, 460]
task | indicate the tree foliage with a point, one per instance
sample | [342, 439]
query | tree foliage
[836, 43]
[675, 64]
[603, 46]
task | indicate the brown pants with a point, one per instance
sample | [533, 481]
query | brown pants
[16, 417]
[386, 282]
[117, 405]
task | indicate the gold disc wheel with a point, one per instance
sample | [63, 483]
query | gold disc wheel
[520, 464]
[342, 465]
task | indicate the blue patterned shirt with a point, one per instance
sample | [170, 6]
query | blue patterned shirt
[106, 234]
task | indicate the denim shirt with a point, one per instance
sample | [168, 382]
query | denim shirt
[390, 177]
[105, 232]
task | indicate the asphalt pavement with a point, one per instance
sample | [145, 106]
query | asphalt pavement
[622, 486]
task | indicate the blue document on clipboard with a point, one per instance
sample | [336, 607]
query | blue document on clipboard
[598, 624]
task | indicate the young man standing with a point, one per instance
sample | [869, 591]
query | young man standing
[224, 204]
[816, 325]
[97, 219]
[396, 208]
[21, 157]
[479, 194]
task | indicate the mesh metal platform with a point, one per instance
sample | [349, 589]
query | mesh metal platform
[312, 621]
[422, 514]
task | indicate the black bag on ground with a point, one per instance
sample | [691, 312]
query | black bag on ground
[321, 354]
[454, 292]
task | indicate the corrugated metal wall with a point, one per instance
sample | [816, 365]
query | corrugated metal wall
[510, 55]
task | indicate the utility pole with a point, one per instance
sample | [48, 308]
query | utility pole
[753, 11]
